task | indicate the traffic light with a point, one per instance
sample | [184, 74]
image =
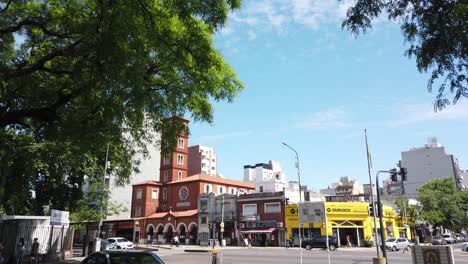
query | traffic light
[403, 173]
[371, 209]
[394, 174]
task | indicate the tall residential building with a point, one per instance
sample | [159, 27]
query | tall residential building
[202, 160]
[268, 177]
[428, 163]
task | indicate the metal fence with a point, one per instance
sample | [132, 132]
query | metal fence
[54, 241]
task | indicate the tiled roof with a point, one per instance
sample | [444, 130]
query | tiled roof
[147, 183]
[185, 213]
[158, 215]
[215, 179]
[176, 214]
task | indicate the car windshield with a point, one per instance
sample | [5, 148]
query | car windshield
[121, 240]
[436, 237]
[391, 240]
[446, 236]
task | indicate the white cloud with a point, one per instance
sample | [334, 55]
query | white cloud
[277, 14]
[219, 137]
[226, 31]
[425, 112]
[334, 118]
[252, 35]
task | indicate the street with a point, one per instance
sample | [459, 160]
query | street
[283, 255]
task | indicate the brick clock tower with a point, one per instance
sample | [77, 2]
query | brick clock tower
[173, 166]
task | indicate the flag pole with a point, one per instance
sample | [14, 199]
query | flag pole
[369, 166]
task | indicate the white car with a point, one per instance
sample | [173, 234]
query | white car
[121, 243]
[464, 247]
[449, 238]
[396, 244]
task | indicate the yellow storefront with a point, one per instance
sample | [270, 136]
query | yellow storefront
[350, 222]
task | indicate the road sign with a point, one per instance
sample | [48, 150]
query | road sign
[222, 229]
[58, 217]
[222, 225]
[312, 212]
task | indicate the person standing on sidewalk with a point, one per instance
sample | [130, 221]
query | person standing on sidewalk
[34, 251]
[21, 251]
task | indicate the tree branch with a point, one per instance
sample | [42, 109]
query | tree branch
[6, 7]
[64, 51]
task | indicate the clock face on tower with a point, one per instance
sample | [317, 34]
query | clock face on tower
[183, 193]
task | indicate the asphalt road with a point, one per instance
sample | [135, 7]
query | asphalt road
[282, 255]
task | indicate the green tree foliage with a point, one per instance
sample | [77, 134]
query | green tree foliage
[78, 75]
[443, 204]
[437, 31]
[95, 205]
[404, 208]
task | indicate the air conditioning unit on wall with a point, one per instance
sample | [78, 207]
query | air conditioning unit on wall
[241, 225]
[279, 224]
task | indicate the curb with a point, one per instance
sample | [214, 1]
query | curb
[202, 250]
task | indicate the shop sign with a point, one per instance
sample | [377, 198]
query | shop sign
[183, 204]
[266, 223]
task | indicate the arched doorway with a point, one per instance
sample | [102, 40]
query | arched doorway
[181, 230]
[169, 230]
[160, 233]
[193, 230]
[149, 233]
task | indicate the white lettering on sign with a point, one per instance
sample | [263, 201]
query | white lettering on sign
[184, 204]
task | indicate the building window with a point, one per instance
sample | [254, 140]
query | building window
[166, 160]
[138, 211]
[180, 159]
[261, 188]
[154, 194]
[203, 220]
[208, 188]
[213, 168]
[164, 194]
[139, 194]
[249, 209]
[183, 193]
[233, 191]
[221, 189]
[166, 176]
[181, 143]
[272, 208]
[179, 175]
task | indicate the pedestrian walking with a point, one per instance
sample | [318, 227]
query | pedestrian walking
[34, 251]
[246, 242]
[405, 249]
[21, 250]
[249, 238]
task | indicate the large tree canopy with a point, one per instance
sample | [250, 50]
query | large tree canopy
[437, 31]
[443, 204]
[78, 75]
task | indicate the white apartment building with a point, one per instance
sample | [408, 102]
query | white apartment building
[428, 163]
[202, 160]
[268, 177]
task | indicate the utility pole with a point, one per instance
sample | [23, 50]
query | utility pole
[369, 165]
[380, 210]
[222, 220]
[300, 200]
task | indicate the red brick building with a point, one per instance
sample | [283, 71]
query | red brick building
[167, 207]
[261, 216]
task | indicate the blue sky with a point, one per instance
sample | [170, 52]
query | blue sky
[315, 86]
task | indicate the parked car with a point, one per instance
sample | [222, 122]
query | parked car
[396, 244]
[449, 238]
[105, 245]
[458, 238]
[121, 243]
[118, 257]
[464, 247]
[438, 240]
[320, 242]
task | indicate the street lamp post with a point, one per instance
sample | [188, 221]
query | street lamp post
[300, 200]
[380, 211]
